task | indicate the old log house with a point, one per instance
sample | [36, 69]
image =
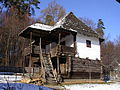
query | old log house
[69, 49]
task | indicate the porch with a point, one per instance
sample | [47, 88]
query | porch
[61, 49]
[50, 61]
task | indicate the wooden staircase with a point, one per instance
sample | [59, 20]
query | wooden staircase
[50, 73]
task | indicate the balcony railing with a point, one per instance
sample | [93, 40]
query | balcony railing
[61, 50]
[66, 49]
[35, 50]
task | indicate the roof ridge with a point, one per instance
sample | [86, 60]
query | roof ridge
[61, 20]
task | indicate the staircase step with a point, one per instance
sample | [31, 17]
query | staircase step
[49, 69]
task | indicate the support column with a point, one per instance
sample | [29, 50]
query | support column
[50, 48]
[101, 72]
[23, 63]
[58, 61]
[69, 65]
[30, 60]
[41, 61]
[75, 45]
[90, 76]
[58, 65]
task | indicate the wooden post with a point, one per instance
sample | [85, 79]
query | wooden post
[40, 54]
[41, 61]
[50, 48]
[89, 71]
[23, 64]
[30, 60]
[58, 66]
[75, 46]
[45, 48]
[101, 70]
[69, 65]
[58, 63]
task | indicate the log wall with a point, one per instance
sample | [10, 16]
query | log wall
[82, 67]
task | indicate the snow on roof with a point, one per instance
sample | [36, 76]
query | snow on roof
[62, 20]
[41, 26]
[59, 24]
[69, 22]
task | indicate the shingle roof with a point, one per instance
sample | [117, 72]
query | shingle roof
[71, 22]
[68, 22]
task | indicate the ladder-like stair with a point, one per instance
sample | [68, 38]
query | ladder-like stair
[50, 73]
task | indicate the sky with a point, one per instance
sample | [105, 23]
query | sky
[107, 10]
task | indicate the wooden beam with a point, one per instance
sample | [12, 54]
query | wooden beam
[23, 63]
[90, 77]
[58, 61]
[41, 61]
[69, 65]
[101, 67]
[59, 38]
[50, 48]
[30, 60]
[58, 65]
[75, 44]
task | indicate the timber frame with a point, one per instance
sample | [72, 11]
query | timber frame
[59, 60]
[36, 50]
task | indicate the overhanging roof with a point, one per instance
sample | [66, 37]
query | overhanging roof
[40, 30]
[69, 23]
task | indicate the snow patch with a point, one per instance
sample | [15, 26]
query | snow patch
[41, 26]
[9, 78]
[115, 86]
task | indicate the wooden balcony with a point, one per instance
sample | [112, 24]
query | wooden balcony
[34, 50]
[66, 49]
[62, 50]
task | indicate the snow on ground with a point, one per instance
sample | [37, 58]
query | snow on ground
[115, 86]
[9, 78]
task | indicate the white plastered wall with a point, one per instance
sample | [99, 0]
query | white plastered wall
[86, 52]
[82, 51]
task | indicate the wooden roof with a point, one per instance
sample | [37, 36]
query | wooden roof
[69, 23]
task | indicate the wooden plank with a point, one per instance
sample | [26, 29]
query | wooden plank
[82, 65]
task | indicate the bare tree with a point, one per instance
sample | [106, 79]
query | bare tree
[88, 22]
[117, 49]
[11, 44]
[108, 52]
[52, 13]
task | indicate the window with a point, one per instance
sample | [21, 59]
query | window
[88, 43]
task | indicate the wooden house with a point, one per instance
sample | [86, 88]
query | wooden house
[69, 49]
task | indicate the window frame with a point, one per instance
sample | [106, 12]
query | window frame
[88, 43]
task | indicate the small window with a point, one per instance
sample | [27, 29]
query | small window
[88, 43]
